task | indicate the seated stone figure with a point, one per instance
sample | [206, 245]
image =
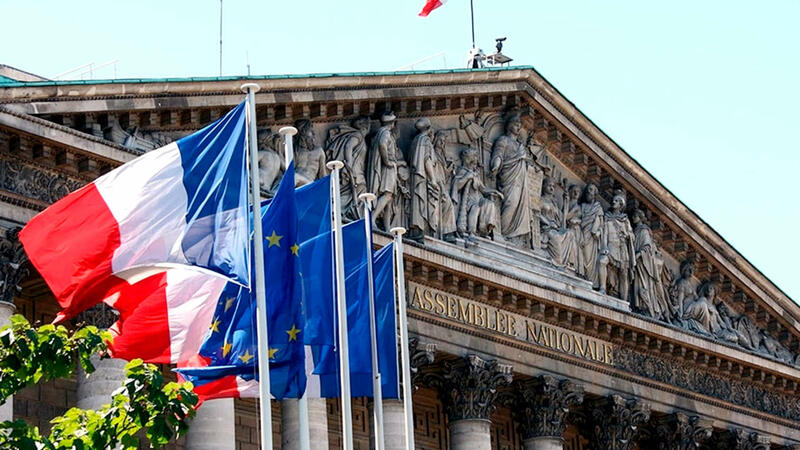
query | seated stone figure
[559, 242]
[702, 316]
[475, 206]
[270, 161]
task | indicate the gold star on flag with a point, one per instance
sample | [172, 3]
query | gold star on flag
[274, 239]
[272, 353]
[246, 357]
[293, 333]
[229, 303]
[226, 348]
[215, 326]
[295, 249]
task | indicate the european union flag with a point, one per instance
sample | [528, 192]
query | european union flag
[231, 346]
[326, 358]
[321, 317]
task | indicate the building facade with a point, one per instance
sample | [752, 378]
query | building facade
[559, 297]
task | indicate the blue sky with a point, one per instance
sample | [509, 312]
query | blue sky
[703, 94]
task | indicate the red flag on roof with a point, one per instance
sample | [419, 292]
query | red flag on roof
[430, 5]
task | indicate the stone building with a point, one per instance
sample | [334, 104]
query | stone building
[559, 296]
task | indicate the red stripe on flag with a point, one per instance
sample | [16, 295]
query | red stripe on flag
[71, 244]
[142, 330]
[430, 5]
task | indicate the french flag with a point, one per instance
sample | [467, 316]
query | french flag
[430, 5]
[182, 204]
[165, 317]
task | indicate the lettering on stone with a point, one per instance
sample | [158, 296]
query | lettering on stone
[517, 326]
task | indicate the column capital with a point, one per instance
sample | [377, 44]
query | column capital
[100, 315]
[469, 387]
[14, 264]
[678, 431]
[421, 354]
[739, 439]
[541, 405]
[616, 420]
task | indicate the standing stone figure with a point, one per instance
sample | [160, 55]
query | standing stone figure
[509, 163]
[349, 145]
[616, 250]
[431, 205]
[573, 221]
[591, 228]
[309, 158]
[649, 292]
[388, 173]
[270, 161]
[477, 213]
[559, 243]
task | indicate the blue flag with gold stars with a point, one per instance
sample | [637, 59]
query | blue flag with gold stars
[231, 345]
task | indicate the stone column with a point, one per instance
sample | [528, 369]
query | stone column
[677, 431]
[213, 428]
[739, 439]
[468, 389]
[540, 408]
[14, 267]
[394, 418]
[317, 424]
[94, 390]
[615, 422]
[6, 409]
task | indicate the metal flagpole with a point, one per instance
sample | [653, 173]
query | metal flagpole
[398, 233]
[258, 248]
[341, 300]
[302, 402]
[377, 389]
[472, 20]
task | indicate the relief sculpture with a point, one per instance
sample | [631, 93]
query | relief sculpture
[309, 158]
[558, 240]
[348, 144]
[509, 164]
[477, 211]
[388, 175]
[431, 205]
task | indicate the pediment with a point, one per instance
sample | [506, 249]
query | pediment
[468, 114]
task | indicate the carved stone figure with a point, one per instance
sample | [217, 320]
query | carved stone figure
[348, 144]
[591, 229]
[701, 314]
[13, 264]
[509, 163]
[477, 212]
[388, 174]
[557, 240]
[649, 294]
[309, 158]
[573, 221]
[617, 261]
[431, 205]
[270, 161]
[682, 291]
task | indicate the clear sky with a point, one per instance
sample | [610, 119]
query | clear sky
[704, 94]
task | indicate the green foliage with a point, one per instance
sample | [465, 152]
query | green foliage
[144, 402]
[29, 356]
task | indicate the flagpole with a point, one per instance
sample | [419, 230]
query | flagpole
[258, 248]
[341, 303]
[302, 402]
[377, 389]
[398, 233]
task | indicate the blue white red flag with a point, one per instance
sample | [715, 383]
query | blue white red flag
[430, 5]
[182, 204]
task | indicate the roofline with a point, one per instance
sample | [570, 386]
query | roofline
[253, 77]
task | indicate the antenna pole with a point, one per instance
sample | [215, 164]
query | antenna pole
[220, 37]
[471, 16]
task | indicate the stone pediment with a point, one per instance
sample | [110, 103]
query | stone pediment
[493, 167]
